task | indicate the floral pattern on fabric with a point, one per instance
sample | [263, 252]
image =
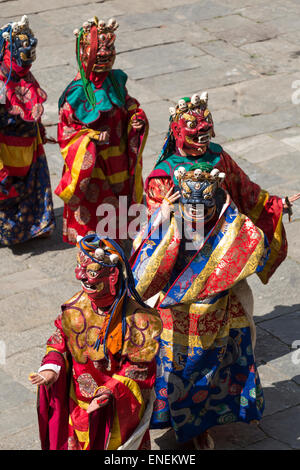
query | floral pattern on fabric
[24, 96]
[30, 214]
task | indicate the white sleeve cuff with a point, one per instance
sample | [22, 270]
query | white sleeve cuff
[53, 367]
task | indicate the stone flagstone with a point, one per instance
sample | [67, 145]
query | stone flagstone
[246, 54]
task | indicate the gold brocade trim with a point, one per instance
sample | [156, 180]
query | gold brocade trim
[155, 260]
[260, 204]
[82, 436]
[51, 349]
[19, 156]
[275, 247]
[142, 235]
[82, 326]
[101, 387]
[251, 263]
[82, 404]
[201, 309]
[214, 259]
[203, 341]
[138, 240]
[132, 107]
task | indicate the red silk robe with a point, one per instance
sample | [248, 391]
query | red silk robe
[96, 173]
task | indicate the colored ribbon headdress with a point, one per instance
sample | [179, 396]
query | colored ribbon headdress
[94, 27]
[113, 332]
[87, 86]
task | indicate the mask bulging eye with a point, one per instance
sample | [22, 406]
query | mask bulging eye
[25, 44]
[92, 273]
[190, 124]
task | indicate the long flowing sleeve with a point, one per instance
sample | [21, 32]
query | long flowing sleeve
[156, 189]
[53, 402]
[79, 153]
[263, 209]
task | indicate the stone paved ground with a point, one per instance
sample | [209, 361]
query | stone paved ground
[247, 54]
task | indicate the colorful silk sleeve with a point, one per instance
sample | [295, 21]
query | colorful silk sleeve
[53, 408]
[79, 154]
[129, 407]
[155, 256]
[53, 357]
[239, 249]
[156, 190]
[264, 210]
[57, 342]
[53, 402]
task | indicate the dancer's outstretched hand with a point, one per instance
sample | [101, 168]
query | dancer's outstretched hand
[46, 377]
